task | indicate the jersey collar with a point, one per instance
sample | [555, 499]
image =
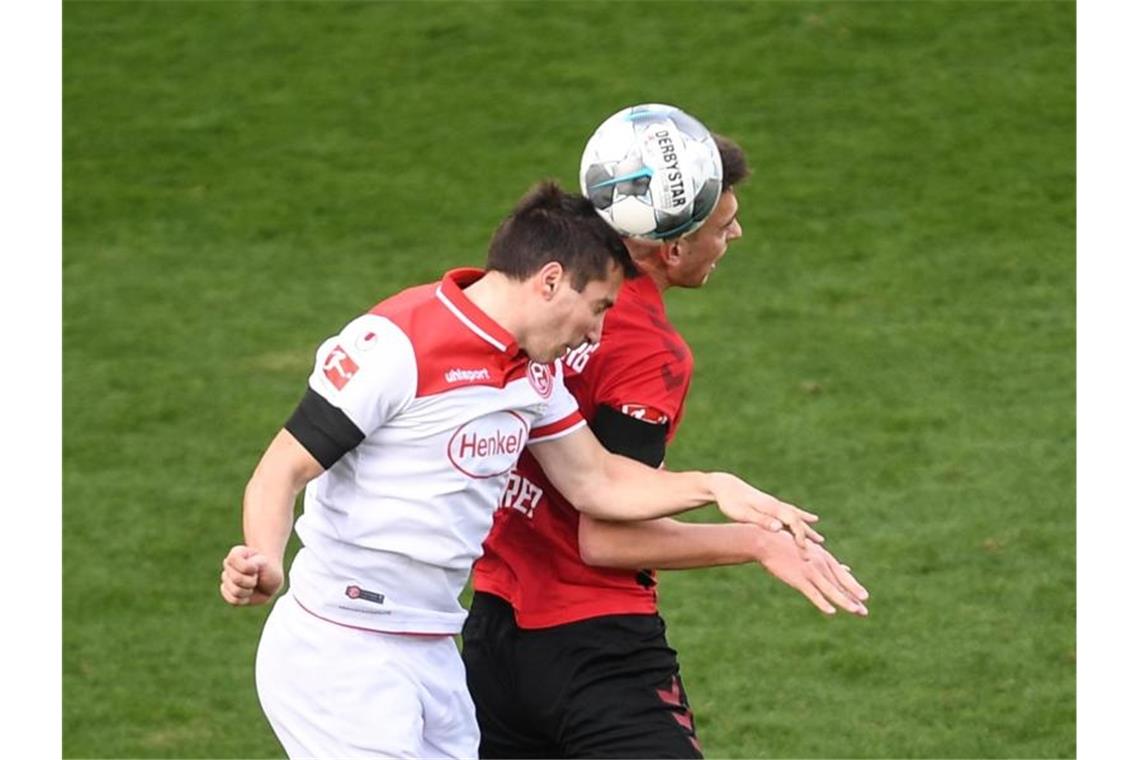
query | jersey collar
[450, 292]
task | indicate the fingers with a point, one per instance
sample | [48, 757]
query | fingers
[849, 583]
[791, 517]
[797, 521]
[799, 533]
[243, 581]
[240, 571]
[244, 559]
[841, 575]
[814, 596]
[803, 535]
[234, 594]
[822, 579]
[830, 586]
[803, 514]
[744, 503]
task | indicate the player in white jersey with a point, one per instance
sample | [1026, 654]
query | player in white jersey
[413, 419]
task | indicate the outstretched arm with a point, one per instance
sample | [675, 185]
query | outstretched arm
[667, 544]
[253, 572]
[613, 487]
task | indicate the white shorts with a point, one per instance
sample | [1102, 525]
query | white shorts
[331, 691]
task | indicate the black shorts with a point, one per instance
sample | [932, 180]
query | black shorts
[604, 687]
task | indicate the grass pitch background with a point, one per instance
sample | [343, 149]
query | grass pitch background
[892, 343]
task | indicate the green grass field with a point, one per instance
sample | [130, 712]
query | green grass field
[892, 344]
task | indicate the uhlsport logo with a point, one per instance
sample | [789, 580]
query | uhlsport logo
[488, 446]
[467, 375]
[541, 378]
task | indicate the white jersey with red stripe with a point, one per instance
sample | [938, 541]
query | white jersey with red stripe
[446, 401]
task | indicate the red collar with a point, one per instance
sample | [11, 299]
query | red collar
[450, 292]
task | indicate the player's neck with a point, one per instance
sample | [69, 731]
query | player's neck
[657, 274]
[648, 258]
[499, 298]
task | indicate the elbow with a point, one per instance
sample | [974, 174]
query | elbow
[585, 499]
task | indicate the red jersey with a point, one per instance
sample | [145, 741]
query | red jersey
[642, 368]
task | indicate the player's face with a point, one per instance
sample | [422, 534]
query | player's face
[700, 252]
[577, 316]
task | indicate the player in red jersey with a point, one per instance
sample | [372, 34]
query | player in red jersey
[412, 419]
[566, 655]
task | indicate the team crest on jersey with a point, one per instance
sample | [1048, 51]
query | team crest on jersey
[488, 446]
[541, 378]
[339, 367]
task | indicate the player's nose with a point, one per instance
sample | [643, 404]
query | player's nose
[594, 334]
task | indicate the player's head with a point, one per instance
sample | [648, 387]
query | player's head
[568, 263]
[551, 225]
[688, 261]
[733, 161]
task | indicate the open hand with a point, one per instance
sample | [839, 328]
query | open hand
[743, 503]
[819, 576]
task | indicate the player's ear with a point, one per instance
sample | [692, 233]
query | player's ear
[549, 278]
[670, 252]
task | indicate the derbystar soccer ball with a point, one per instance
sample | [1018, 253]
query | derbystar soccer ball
[652, 171]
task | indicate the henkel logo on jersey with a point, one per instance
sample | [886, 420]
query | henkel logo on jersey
[339, 367]
[541, 378]
[488, 446]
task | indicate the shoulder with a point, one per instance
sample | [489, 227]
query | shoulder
[400, 307]
[367, 344]
[638, 328]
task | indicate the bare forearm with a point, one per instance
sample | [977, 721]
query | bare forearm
[267, 517]
[628, 490]
[666, 544]
[672, 545]
[267, 509]
[611, 487]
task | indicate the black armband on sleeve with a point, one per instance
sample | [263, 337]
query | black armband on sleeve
[629, 436]
[325, 431]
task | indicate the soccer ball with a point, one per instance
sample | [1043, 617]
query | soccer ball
[652, 171]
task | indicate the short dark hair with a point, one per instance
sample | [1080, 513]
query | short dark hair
[550, 224]
[733, 161]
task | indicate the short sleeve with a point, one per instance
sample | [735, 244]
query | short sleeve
[561, 415]
[368, 371]
[647, 381]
